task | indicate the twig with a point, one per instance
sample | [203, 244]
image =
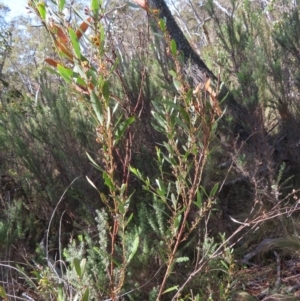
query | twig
[48, 229]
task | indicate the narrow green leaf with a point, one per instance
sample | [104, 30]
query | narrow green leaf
[92, 184]
[95, 6]
[78, 80]
[177, 222]
[181, 124]
[103, 198]
[198, 203]
[105, 90]
[214, 190]
[93, 162]
[123, 188]
[204, 191]
[182, 259]
[134, 248]
[41, 6]
[108, 181]
[102, 35]
[3, 293]
[224, 264]
[91, 74]
[75, 42]
[162, 24]
[177, 84]
[185, 116]
[135, 172]
[77, 267]
[161, 187]
[82, 266]
[61, 5]
[77, 76]
[121, 207]
[60, 296]
[173, 288]
[86, 294]
[160, 120]
[65, 73]
[51, 70]
[174, 201]
[172, 104]
[173, 47]
[173, 73]
[97, 107]
[123, 126]
[129, 219]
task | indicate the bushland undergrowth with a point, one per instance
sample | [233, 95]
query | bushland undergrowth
[119, 183]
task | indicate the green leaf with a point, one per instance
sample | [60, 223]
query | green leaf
[182, 259]
[123, 126]
[65, 73]
[91, 74]
[61, 5]
[204, 191]
[173, 73]
[134, 248]
[42, 9]
[181, 124]
[77, 267]
[177, 84]
[108, 182]
[129, 219]
[51, 70]
[103, 198]
[162, 24]
[185, 116]
[174, 201]
[160, 120]
[93, 162]
[86, 294]
[121, 207]
[105, 90]
[102, 34]
[79, 80]
[224, 264]
[198, 203]
[75, 42]
[3, 293]
[177, 222]
[135, 172]
[173, 47]
[173, 288]
[82, 266]
[214, 190]
[161, 187]
[91, 183]
[97, 107]
[95, 5]
[60, 296]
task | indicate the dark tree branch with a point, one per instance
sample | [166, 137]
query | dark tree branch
[195, 68]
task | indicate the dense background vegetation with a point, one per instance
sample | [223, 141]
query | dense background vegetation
[123, 180]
